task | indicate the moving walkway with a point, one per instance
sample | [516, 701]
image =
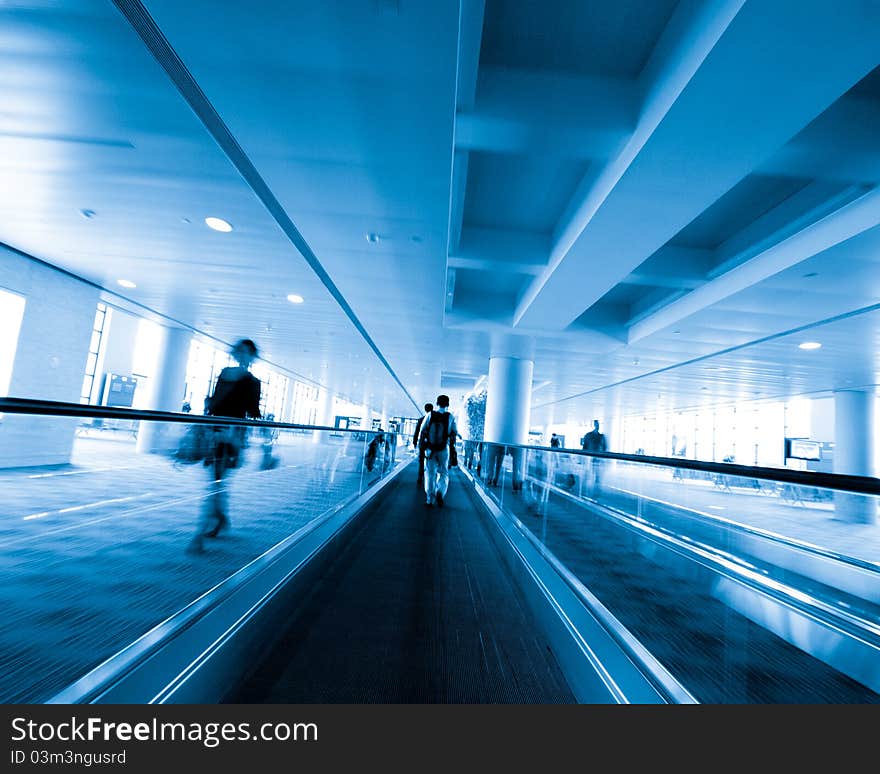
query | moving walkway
[380, 599]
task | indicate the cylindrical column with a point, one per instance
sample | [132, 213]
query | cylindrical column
[508, 406]
[287, 415]
[508, 400]
[854, 452]
[324, 407]
[323, 411]
[169, 387]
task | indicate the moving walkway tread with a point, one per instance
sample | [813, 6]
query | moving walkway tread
[419, 607]
[669, 603]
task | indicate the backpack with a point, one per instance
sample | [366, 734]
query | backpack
[438, 431]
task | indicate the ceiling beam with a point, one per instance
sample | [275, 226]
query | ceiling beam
[531, 112]
[691, 34]
[674, 266]
[730, 93]
[470, 36]
[812, 203]
[656, 299]
[496, 250]
[653, 279]
[841, 144]
[682, 269]
[470, 41]
[458, 187]
[848, 221]
[514, 134]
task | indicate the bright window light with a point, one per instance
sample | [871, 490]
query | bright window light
[295, 299]
[147, 349]
[126, 283]
[218, 224]
[809, 345]
[11, 313]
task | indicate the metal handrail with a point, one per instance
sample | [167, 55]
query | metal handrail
[840, 481]
[62, 409]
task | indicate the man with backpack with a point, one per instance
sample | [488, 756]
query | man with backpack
[438, 434]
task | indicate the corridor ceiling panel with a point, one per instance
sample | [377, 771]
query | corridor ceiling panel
[652, 196]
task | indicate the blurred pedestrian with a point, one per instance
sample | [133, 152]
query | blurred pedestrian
[236, 394]
[594, 441]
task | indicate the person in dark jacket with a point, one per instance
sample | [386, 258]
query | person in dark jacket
[236, 394]
[594, 441]
[417, 444]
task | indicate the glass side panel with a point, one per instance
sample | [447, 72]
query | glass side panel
[103, 533]
[745, 590]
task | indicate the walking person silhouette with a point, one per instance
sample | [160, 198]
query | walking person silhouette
[236, 394]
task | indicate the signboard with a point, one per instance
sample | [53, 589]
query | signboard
[803, 449]
[119, 390]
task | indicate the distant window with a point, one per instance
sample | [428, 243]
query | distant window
[11, 314]
[94, 350]
[204, 366]
[273, 390]
[305, 398]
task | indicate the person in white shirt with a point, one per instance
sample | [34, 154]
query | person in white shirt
[439, 431]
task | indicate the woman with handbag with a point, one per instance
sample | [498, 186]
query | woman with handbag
[236, 394]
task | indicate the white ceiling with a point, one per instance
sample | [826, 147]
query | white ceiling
[654, 197]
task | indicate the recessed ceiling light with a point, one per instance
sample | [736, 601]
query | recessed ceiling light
[809, 345]
[218, 224]
[126, 283]
[295, 299]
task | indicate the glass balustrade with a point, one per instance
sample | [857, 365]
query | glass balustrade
[99, 516]
[746, 588]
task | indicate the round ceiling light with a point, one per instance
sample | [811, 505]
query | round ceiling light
[809, 345]
[295, 299]
[218, 224]
[126, 283]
